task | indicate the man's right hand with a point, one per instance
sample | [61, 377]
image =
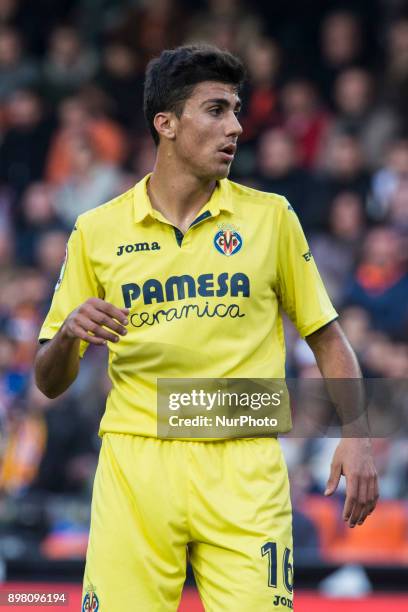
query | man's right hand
[95, 320]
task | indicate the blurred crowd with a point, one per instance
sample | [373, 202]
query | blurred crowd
[325, 124]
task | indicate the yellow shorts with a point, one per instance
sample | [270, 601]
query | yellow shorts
[224, 504]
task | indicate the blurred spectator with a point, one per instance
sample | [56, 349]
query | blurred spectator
[21, 307]
[51, 446]
[90, 184]
[37, 206]
[68, 460]
[397, 365]
[305, 119]
[50, 253]
[121, 80]
[342, 45]
[392, 466]
[16, 71]
[395, 79]
[8, 11]
[76, 121]
[358, 114]
[279, 172]
[32, 20]
[149, 27]
[25, 442]
[23, 286]
[377, 354]
[99, 17]
[7, 248]
[12, 378]
[68, 64]
[259, 95]
[356, 324]
[344, 167]
[25, 144]
[336, 252]
[143, 159]
[38, 216]
[227, 24]
[6, 202]
[304, 360]
[388, 179]
[398, 210]
[380, 284]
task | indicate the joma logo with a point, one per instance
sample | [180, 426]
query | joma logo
[136, 247]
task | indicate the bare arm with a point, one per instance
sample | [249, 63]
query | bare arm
[353, 457]
[56, 364]
[334, 355]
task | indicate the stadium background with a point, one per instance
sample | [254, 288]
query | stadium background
[325, 123]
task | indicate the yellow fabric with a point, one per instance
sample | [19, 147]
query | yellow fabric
[220, 319]
[154, 499]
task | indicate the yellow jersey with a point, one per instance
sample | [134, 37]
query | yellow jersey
[205, 304]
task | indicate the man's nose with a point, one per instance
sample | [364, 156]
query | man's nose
[234, 128]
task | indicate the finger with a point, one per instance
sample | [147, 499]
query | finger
[364, 514]
[96, 330]
[101, 332]
[103, 319]
[377, 490]
[120, 314]
[351, 496]
[371, 495]
[83, 335]
[360, 510]
[111, 310]
[357, 511]
[334, 478]
[375, 494]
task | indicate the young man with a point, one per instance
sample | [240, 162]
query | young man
[183, 276]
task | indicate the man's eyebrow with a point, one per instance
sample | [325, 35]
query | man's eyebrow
[222, 102]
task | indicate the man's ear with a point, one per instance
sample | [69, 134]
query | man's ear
[165, 125]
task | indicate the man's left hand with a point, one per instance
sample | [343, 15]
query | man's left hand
[353, 459]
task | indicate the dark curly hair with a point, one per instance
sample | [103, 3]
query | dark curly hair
[171, 78]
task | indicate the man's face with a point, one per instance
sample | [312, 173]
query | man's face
[208, 129]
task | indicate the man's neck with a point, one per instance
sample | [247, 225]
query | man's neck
[177, 194]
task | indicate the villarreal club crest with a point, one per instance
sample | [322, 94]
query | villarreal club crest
[91, 601]
[228, 240]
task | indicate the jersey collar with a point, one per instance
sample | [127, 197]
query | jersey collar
[221, 200]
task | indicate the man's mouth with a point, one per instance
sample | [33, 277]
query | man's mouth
[228, 151]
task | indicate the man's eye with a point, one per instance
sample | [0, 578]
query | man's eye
[216, 110]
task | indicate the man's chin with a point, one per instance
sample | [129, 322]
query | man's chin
[222, 172]
[216, 173]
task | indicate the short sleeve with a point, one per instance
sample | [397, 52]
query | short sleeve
[76, 284]
[300, 288]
